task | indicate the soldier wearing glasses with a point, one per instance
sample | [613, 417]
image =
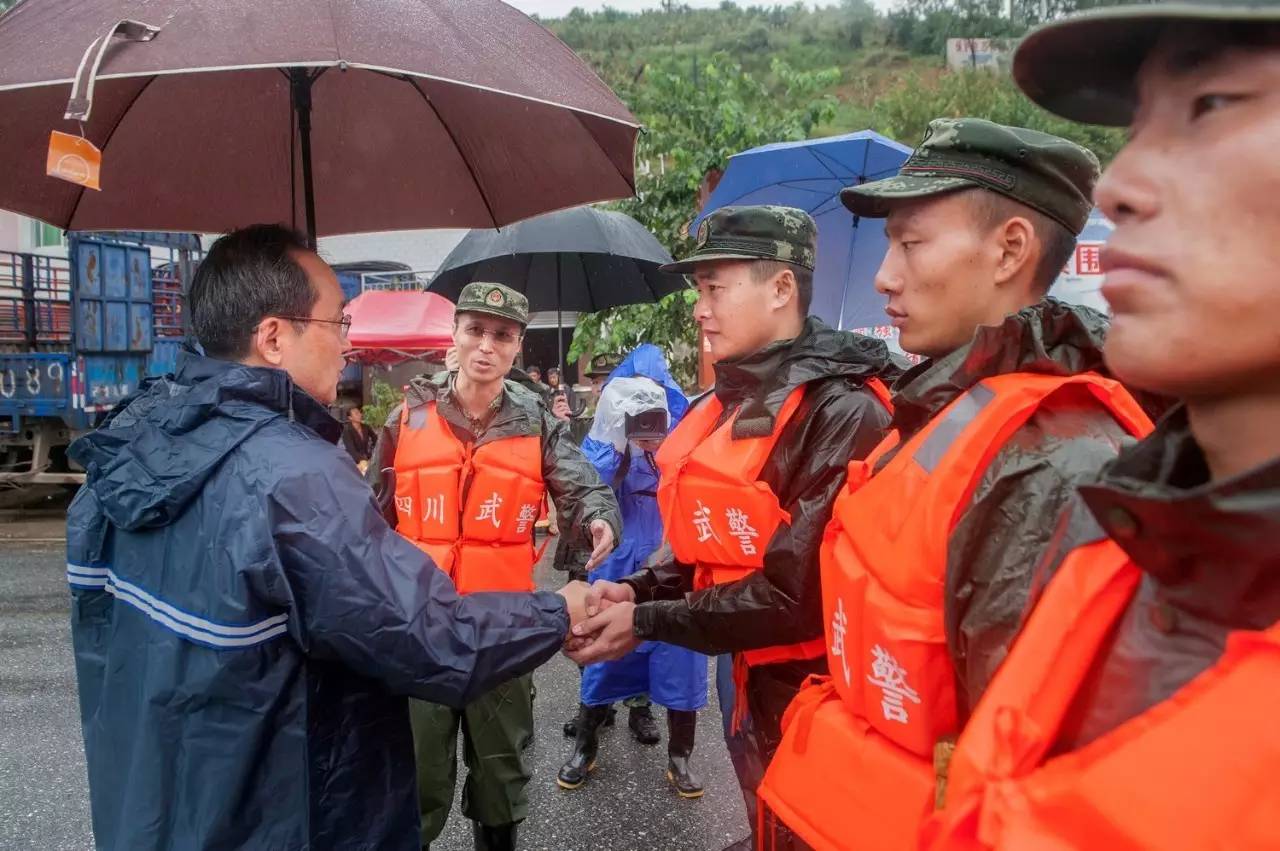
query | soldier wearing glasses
[461, 469]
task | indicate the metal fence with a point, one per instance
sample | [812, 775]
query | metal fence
[416, 279]
[35, 300]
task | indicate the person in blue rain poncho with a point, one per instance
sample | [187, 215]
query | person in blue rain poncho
[639, 404]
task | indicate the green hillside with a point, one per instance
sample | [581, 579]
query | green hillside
[708, 83]
[886, 72]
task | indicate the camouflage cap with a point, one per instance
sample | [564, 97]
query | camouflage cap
[1084, 67]
[1045, 172]
[495, 300]
[753, 233]
[603, 364]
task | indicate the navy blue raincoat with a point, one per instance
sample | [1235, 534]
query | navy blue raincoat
[247, 627]
[672, 676]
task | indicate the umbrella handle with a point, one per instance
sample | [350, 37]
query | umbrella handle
[81, 101]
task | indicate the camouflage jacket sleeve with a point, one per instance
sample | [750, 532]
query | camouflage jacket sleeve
[573, 483]
[381, 473]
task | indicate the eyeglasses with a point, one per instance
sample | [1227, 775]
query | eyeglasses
[345, 321]
[501, 336]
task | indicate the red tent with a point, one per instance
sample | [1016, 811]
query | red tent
[392, 325]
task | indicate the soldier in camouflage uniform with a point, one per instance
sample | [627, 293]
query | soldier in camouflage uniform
[1168, 686]
[753, 268]
[480, 408]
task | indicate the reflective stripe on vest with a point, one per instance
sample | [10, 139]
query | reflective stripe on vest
[1195, 771]
[884, 562]
[472, 509]
[884, 559]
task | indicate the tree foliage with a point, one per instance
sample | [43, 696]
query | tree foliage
[693, 126]
[906, 111]
[923, 26]
[383, 399]
[620, 45]
[709, 83]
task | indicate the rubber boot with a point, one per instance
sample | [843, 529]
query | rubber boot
[681, 727]
[500, 838]
[643, 726]
[571, 726]
[586, 745]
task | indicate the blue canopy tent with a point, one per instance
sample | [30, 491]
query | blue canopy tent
[809, 175]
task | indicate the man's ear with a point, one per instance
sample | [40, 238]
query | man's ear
[267, 343]
[1018, 248]
[785, 288]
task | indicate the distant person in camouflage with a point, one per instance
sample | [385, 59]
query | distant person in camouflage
[534, 372]
[597, 372]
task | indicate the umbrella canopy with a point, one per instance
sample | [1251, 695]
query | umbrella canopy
[582, 259]
[809, 175]
[400, 113]
[390, 325]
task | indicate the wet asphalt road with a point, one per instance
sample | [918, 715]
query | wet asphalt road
[627, 805]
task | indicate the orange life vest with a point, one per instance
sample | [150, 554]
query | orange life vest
[884, 560]
[1194, 771]
[471, 509]
[717, 513]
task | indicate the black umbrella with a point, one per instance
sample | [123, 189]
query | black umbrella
[581, 259]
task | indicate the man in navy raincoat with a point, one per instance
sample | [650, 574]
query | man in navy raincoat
[673, 677]
[246, 625]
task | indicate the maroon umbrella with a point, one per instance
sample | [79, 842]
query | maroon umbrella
[213, 114]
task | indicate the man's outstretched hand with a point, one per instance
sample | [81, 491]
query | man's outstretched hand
[608, 634]
[575, 597]
[602, 543]
[604, 593]
[560, 408]
[601, 596]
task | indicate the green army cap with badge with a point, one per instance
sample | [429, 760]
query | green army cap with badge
[1085, 66]
[603, 364]
[762, 232]
[1046, 173]
[494, 300]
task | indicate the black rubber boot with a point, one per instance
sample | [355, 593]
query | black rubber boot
[681, 727]
[586, 745]
[643, 726]
[501, 838]
[571, 726]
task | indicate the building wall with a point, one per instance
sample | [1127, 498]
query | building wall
[14, 232]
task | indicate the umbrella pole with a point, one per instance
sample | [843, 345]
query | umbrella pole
[300, 84]
[848, 272]
[559, 323]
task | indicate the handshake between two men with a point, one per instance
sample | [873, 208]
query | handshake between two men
[603, 619]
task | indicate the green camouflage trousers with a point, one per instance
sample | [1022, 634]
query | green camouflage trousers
[493, 728]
